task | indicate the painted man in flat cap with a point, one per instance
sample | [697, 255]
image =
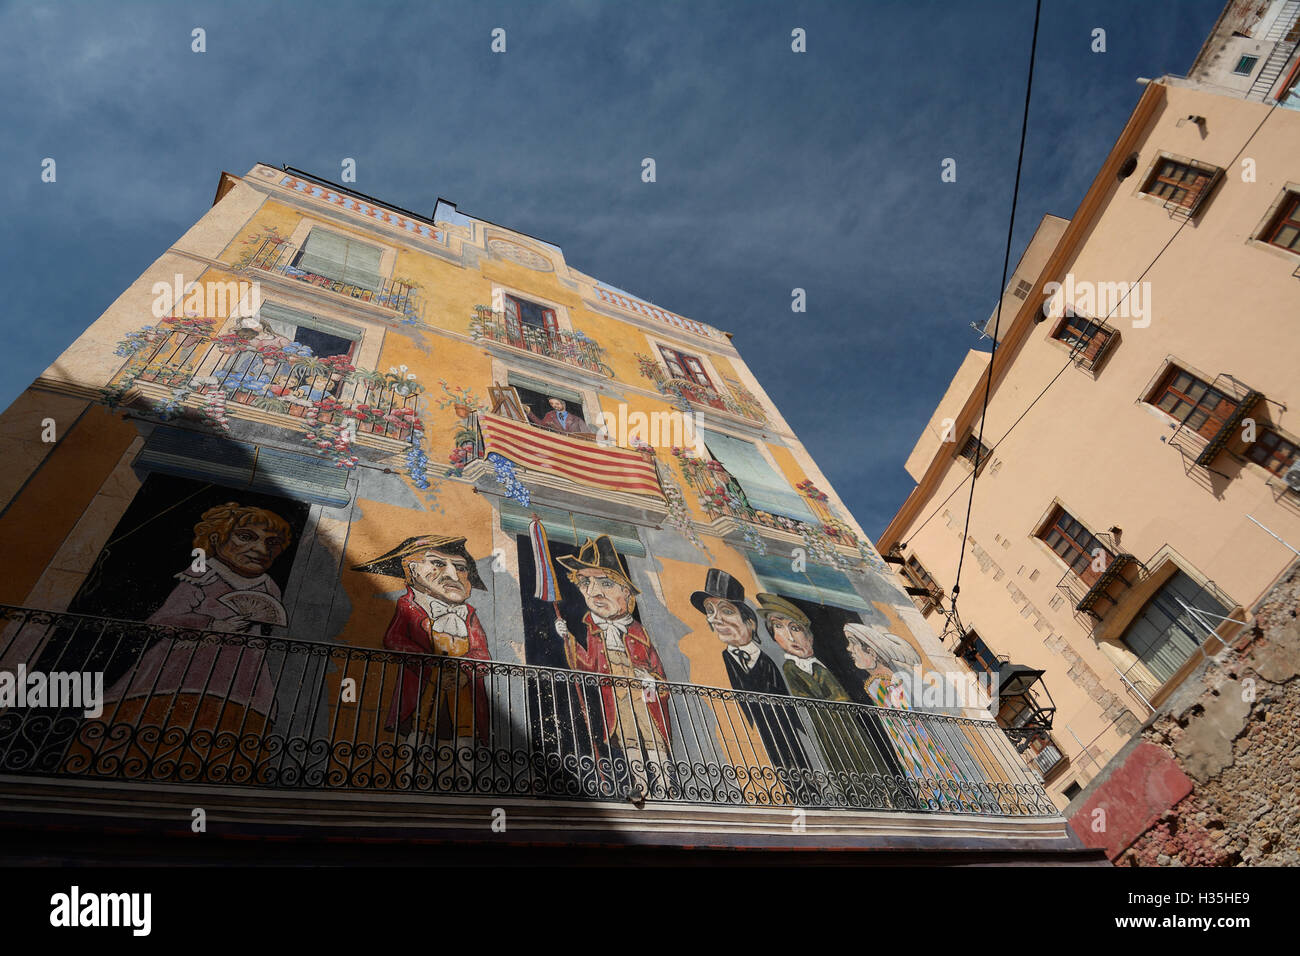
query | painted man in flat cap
[722, 602]
[850, 742]
[434, 617]
[635, 712]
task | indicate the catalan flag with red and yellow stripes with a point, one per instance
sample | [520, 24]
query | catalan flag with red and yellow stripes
[614, 469]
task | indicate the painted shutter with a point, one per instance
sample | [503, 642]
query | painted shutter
[513, 326]
[335, 257]
[283, 317]
[763, 486]
[362, 266]
[325, 254]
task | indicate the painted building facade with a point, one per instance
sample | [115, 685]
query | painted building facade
[1138, 488]
[356, 509]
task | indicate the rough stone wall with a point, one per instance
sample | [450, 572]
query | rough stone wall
[1235, 731]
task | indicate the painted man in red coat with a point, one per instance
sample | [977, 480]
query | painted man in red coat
[635, 711]
[434, 617]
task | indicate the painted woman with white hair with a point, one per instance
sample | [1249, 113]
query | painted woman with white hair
[884, 658]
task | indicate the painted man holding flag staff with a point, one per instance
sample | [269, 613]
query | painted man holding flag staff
[635, 709]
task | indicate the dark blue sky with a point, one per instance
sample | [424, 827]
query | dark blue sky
[775, 170]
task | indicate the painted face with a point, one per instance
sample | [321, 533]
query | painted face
[605, 594]
[791, 635]
[865, 658]
[250, 550]
[556, 404]
[444, 576]
[725, 620]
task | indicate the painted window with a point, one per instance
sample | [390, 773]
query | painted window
[1272, 451]
[684, 366]
[521, 312]
[1284, 230]
[335, 257]
[1246, 65]
[1022, 289]
[1075, 545]
[1195, 403]
[1183, 184]
[764, 488]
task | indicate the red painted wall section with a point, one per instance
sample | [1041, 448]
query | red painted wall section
[1134, 796]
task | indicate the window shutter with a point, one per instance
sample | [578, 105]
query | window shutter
[335, 257]
[324, 254]
[552, 323]
[362, 267]
[763, 486]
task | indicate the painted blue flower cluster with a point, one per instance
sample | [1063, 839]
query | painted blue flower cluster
[508, 478]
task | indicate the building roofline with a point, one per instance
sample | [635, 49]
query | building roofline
[1090, 207]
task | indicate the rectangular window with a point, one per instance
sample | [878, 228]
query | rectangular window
[1180, 183]
[1086, 338]
[330, 255]
[521, 312]
[1284, 230]
[687, 367]
[1246, 65]
[1272, 451]
[977, 654]
[919, 577]
[975, 451]
[1022, 289]
[1075, 545]
[1173, 624]
[764, 488]
[1196, 404]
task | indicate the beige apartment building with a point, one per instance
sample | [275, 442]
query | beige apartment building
[1138, 487]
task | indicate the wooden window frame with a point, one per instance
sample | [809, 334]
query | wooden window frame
[1087, 339]
[1079, 541]
[1287, 216]
[1182, 183]
[1192, 394]
[1264, 453]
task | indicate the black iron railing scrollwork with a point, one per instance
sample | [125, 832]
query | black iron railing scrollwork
[261, 711]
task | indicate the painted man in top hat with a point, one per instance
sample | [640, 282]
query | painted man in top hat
[851, 742]
[635, 712]
[722, 602]
[434, 617]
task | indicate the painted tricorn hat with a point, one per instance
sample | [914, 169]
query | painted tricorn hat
[772, 604]
[598, 555]
[719, 584]
[391, 563]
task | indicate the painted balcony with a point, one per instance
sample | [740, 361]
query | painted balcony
[830, 542]
[274, 714]
[277, 256]
[180, 368]
[559, 345]
[740, 403]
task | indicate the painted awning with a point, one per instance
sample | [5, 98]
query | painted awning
[236, 464]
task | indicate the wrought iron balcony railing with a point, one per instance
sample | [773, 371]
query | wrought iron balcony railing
[276, 256]
[227, 709]
[1096, 597]
[181, 362]
[572, 348]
